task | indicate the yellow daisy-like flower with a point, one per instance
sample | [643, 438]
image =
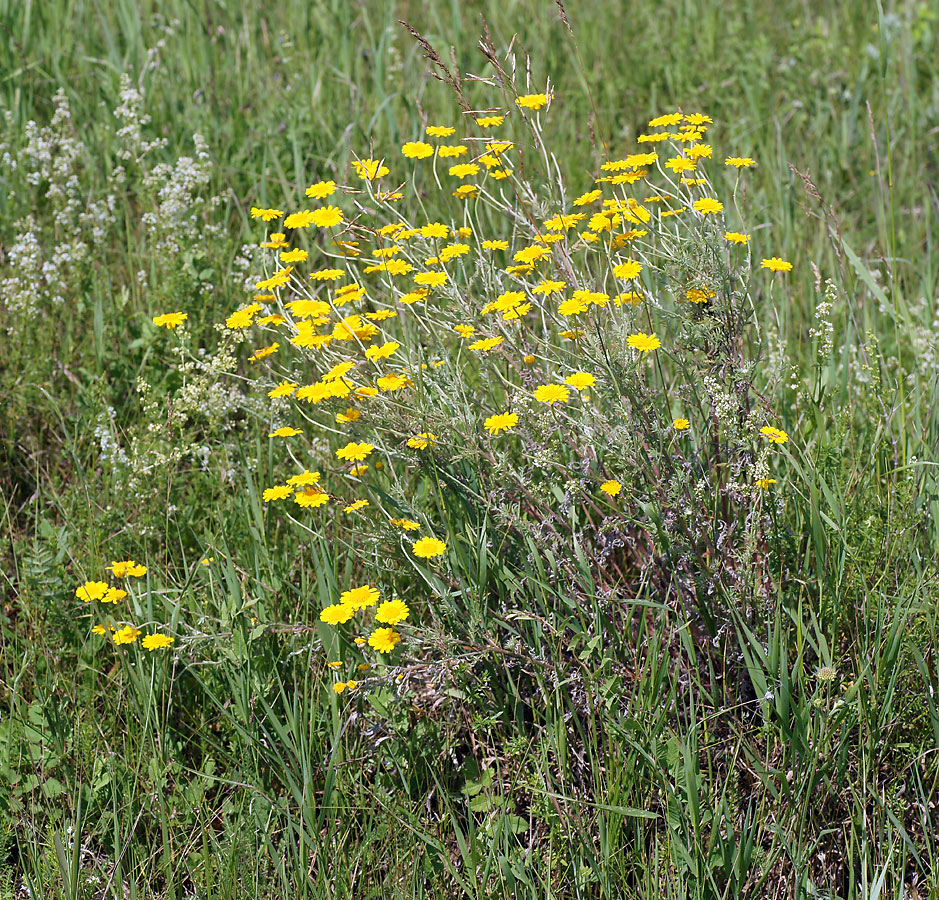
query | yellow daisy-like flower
[417, 150]
[327, 217]
[265, 214]
[302, 219]
[643, 342]
[439, 130]
[681, 424]
[495, 245]
[428, 547]
[277, 492]
[128, 568]
[304, 478]
[707, 205]
[532, 101]
[157, 642]
[406, 524]
[580, 380]
[422, 441]
[739, 162]
[552, 393]
[114, 595]
[126, 635]
[391, 612]
[464, 331]
[354, 452]
[311, 497]
[501, 422]
[170, 320]
[369, 169]
[321, 190]
[774, 435]
[384, 640]
[775, 264]
[92, 590]
[764, 483]
[489, 121]
[629, 269]
[611, 488]
[337, 614]
[736, 237]
[430, 279]
[360, 597]
[356, 506]
[486, 344]
[339, 687]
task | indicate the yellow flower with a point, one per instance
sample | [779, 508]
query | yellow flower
[628, 269]
[311, 497]
[113, 595]
[304, 478]
[327, 216]
[384, 639]
[126, 635]
[417, 150]
[405, 524]
[354, 452]
[681, 424]
[339, 687]
[643, 342]
[465, 191]
[580, 380]
[532, 101]
[612, 488]
[699, 295]
[427, 547]
[92, 590]
[489, 121]
[735, 237]
[739, 162]
[669, 119]
[464, 331]
[495, 245]
[764, 483]
[422, 441]
[127, 569]
[484, 345]
[356, 506]
[360, 597]
[266, 214]
[431, 279]
[369, 169]
[277, 492]
[548, 287]
[383, 352]
[337, 614]
[774, 435]
[391, 382]
[321, 190]
[301, 219]
[439, 130]
[775, 264]
[170, 320]
[391, 612]
[552, 393]
[501, 422]
[707, 205]
[157, 642]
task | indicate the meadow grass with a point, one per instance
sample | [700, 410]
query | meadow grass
[546, 744]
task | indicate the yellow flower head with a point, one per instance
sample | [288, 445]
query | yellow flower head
[157, 642]
[501, 422]
[611, 488]
[774, 435]
[427, 547]
[643, 342]
[552, 393]
[384, 640]
[391, 612]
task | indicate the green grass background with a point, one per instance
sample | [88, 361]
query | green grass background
[236, 778]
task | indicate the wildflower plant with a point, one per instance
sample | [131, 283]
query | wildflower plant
[549, 366]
